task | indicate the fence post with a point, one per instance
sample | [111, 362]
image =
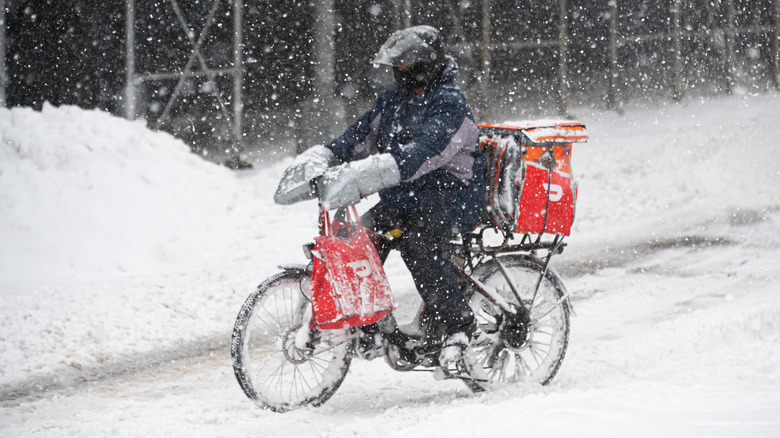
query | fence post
[730, 35]
[485, 53]
[776, 46]
[3, 71]
[402, 14]
[563, 48]
[326, 107]
[613, 46]
[130, 113]
[677, 50]
[238, 75]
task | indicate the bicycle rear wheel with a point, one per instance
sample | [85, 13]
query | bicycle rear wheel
[271, 369]
[526, 346]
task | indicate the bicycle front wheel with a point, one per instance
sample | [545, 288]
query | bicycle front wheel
[527, 345]
[274, 370]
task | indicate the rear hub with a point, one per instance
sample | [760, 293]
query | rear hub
[515, 328]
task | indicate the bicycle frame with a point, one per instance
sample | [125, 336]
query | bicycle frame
[514, 340]
[475, 252]
[472, 252]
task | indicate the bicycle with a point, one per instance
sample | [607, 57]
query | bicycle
[521, 306]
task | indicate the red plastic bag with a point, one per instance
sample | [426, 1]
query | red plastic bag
[547, 201]
[349, 286]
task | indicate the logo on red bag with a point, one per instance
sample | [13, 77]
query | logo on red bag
[556, 191]
[362, 268]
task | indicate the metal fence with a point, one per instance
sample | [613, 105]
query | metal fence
[195, 67]
[483, 32]
[721, 30]
[678, 35]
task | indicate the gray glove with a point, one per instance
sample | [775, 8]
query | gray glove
[295, 185]
[346, 184]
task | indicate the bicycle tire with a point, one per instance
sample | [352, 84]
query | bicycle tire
[271, 370]
[492, 360]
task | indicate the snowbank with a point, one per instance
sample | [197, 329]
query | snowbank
[85, 196]
[117, 240]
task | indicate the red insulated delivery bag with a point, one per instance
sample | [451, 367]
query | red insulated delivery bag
[531, 189]
[349, 286]
[546, 201]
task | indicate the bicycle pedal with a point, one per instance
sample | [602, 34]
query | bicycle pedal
[370, 346]
[440, 374]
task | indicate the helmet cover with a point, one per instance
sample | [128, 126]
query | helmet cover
[410, 46]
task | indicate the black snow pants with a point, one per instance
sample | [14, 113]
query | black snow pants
[424, 250]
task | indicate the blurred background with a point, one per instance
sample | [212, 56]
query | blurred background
[246, 81]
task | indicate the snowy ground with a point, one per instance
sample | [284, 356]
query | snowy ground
[125, 260]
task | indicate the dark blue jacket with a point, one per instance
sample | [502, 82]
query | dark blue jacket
[435, 143]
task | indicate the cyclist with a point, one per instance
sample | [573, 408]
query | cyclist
[417, 147]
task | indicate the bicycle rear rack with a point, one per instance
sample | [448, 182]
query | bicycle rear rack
[475, 250]
[474, 243]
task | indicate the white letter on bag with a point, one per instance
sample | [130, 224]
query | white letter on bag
[362, 268]
[556, 191]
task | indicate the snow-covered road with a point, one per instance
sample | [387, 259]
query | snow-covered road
[115, 316]
[658, 347]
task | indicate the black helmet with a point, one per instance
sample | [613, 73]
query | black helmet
[416, 55]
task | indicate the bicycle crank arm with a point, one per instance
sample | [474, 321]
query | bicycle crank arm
[321, 349]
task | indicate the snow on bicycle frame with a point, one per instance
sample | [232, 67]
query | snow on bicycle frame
[528, 170]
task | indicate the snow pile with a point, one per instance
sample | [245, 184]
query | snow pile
[116, 240]
[85, 196]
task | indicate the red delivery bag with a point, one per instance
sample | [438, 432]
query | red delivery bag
[547, 200]
[349, 286]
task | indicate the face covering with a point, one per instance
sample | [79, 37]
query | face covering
[413, 78]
